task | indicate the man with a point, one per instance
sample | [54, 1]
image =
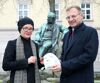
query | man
[49, 35]
[79, 54]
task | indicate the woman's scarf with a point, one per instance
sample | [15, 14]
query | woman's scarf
[21, 75]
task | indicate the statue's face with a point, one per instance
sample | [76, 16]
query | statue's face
[51, 20]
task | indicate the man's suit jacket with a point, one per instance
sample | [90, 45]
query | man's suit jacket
[78, 56]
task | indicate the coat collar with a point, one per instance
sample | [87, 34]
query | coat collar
[77, 28]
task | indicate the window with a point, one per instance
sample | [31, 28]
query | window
[86, 9]
[23, 10]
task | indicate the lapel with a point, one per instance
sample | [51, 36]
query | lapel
[66, 41]
[77, 35]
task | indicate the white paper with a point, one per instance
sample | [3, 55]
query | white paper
[50, 60]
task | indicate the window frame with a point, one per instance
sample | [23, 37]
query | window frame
[23, 10]
[87, 10]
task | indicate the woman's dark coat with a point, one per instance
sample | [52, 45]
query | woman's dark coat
[11, 64]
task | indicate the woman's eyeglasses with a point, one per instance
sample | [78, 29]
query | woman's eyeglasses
[27, 29]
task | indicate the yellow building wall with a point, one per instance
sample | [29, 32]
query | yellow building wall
[38, 11]
[95, 12]
[96, 15]
[9, 15]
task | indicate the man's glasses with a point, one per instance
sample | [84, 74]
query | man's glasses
[72, 16]
[27, 29]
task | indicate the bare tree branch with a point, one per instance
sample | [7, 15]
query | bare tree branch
[96, 2]
[2, 3]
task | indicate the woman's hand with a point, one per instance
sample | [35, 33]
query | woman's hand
[32, 59]
[41, 60]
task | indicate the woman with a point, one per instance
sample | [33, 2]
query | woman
[21, 56]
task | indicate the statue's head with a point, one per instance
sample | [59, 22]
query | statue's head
[51, 18]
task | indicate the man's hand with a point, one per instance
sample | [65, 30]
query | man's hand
[56, 68]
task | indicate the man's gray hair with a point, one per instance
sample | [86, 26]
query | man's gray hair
[76, 7]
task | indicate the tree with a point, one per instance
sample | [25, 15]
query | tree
[52, 5]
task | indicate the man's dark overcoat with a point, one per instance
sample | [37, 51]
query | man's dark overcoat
[78, 55]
